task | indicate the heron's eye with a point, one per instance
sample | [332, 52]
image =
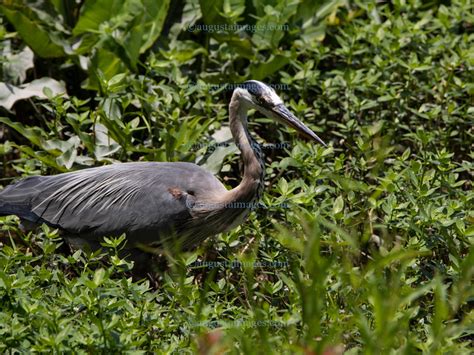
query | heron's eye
[260, 101]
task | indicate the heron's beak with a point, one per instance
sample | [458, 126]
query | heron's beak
[283, 114]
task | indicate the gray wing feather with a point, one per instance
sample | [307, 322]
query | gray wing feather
[110, 200]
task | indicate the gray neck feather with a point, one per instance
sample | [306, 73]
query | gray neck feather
[251, 187]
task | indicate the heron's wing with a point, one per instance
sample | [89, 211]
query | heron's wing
[146, 198]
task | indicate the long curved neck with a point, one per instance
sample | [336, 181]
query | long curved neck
[251, 186]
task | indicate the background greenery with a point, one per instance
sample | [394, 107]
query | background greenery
[373, 253]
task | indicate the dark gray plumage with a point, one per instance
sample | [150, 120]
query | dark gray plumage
[133, 198]
[149, 201]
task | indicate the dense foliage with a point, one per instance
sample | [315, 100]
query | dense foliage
[364, 246]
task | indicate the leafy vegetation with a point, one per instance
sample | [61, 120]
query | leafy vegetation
[364, 246]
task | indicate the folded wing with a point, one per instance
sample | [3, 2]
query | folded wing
[144, 200]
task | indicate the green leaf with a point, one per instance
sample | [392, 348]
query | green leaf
[139, 21]
[69, 155]
[214, 162]
[40, 40]
[211, 12]
[10, 94]
[104, 144]
[272, 27]
[99, 277]
[34, 134]
[94, 13]
[338, 205]
[16, 65]
[262, 70]
[65, 8]
[43, 157]
[150, 28]
[283, 186]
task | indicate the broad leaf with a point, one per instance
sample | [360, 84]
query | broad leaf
[10, 94]
[44, 43]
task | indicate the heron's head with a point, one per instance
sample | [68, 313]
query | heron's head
[263, 98]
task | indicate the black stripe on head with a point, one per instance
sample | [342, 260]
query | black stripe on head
[253, 87]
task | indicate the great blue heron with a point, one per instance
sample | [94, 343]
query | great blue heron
[153, 202]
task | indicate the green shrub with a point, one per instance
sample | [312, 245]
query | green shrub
[365, 245]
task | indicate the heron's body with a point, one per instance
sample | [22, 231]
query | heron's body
[148, 201]
[152, 202]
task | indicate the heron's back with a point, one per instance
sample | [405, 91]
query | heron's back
[137, 198]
